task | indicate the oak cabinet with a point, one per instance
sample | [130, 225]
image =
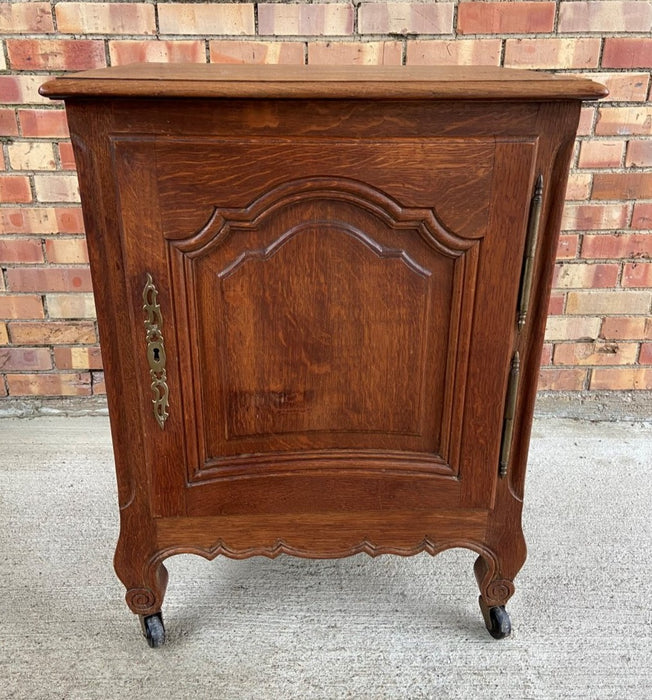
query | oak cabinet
[321, 295]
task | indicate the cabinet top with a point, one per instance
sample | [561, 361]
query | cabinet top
[151, 80]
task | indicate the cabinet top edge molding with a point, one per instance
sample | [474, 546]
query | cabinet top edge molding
[162, 80]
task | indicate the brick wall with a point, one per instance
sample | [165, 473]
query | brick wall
[599, 332]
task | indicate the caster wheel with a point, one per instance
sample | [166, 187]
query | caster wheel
[496, 620]
[153, 629]
[501, 625]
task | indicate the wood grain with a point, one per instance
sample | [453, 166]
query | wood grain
[338, 280]
[363, 82]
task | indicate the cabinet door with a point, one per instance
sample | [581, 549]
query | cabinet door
[338, 315]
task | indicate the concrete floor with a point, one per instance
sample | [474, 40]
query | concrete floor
[352, 628]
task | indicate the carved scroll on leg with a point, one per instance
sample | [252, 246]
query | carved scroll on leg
[138, 561]
[148, 599]
[494, 589]
[145, 592]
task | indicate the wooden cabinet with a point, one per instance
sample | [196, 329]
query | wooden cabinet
[321, 295]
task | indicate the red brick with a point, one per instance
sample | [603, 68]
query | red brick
[578, 328]
[53, 333]
[66, 156]
[208, 18]
[623, 87]
[15, 188]
[556, 304]
[8, 124]
[388, 53]
[642, 216]
[274, 52]
[26, 18]
[607, 303]
[601, 154]
[645, 358]
[4, 337]
[585, 126]
[17, 250]
[639, 154]
[48, 123]
[546, 354]
[56, 187]
[129, 51]
[582, 217]
[598, 353]
[78, 358]
[622, 186]
[454, 53]
[68, 384]
[49, 279]
[55, 54]
[617, 246]
[99, 386]
[624, 121]
[31, 155]
[621, 379]
[605, 17]
[21, 306]
[21, 359]
[624, 327]
[69, 220]
[561, 379]
[579, 186]
[637, 274]
[21, 89]
[552, 53]
[66, 250]
[78, 305]
[627, 52]
[405, 18]
[585, 276]
[320, 19]
[27, 220]
[105, 18]
[568, 246]
[505, 17]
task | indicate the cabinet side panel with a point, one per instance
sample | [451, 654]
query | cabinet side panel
[89, 128]
[557, 124]
[494, 328]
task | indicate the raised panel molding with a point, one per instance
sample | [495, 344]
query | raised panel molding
[295, 211]
[264, 254]
[391, 213]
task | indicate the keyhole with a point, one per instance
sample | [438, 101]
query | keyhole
[156, 355]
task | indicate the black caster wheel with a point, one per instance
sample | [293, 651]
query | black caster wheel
[501, 625]
[496, 620]
[153, 629]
